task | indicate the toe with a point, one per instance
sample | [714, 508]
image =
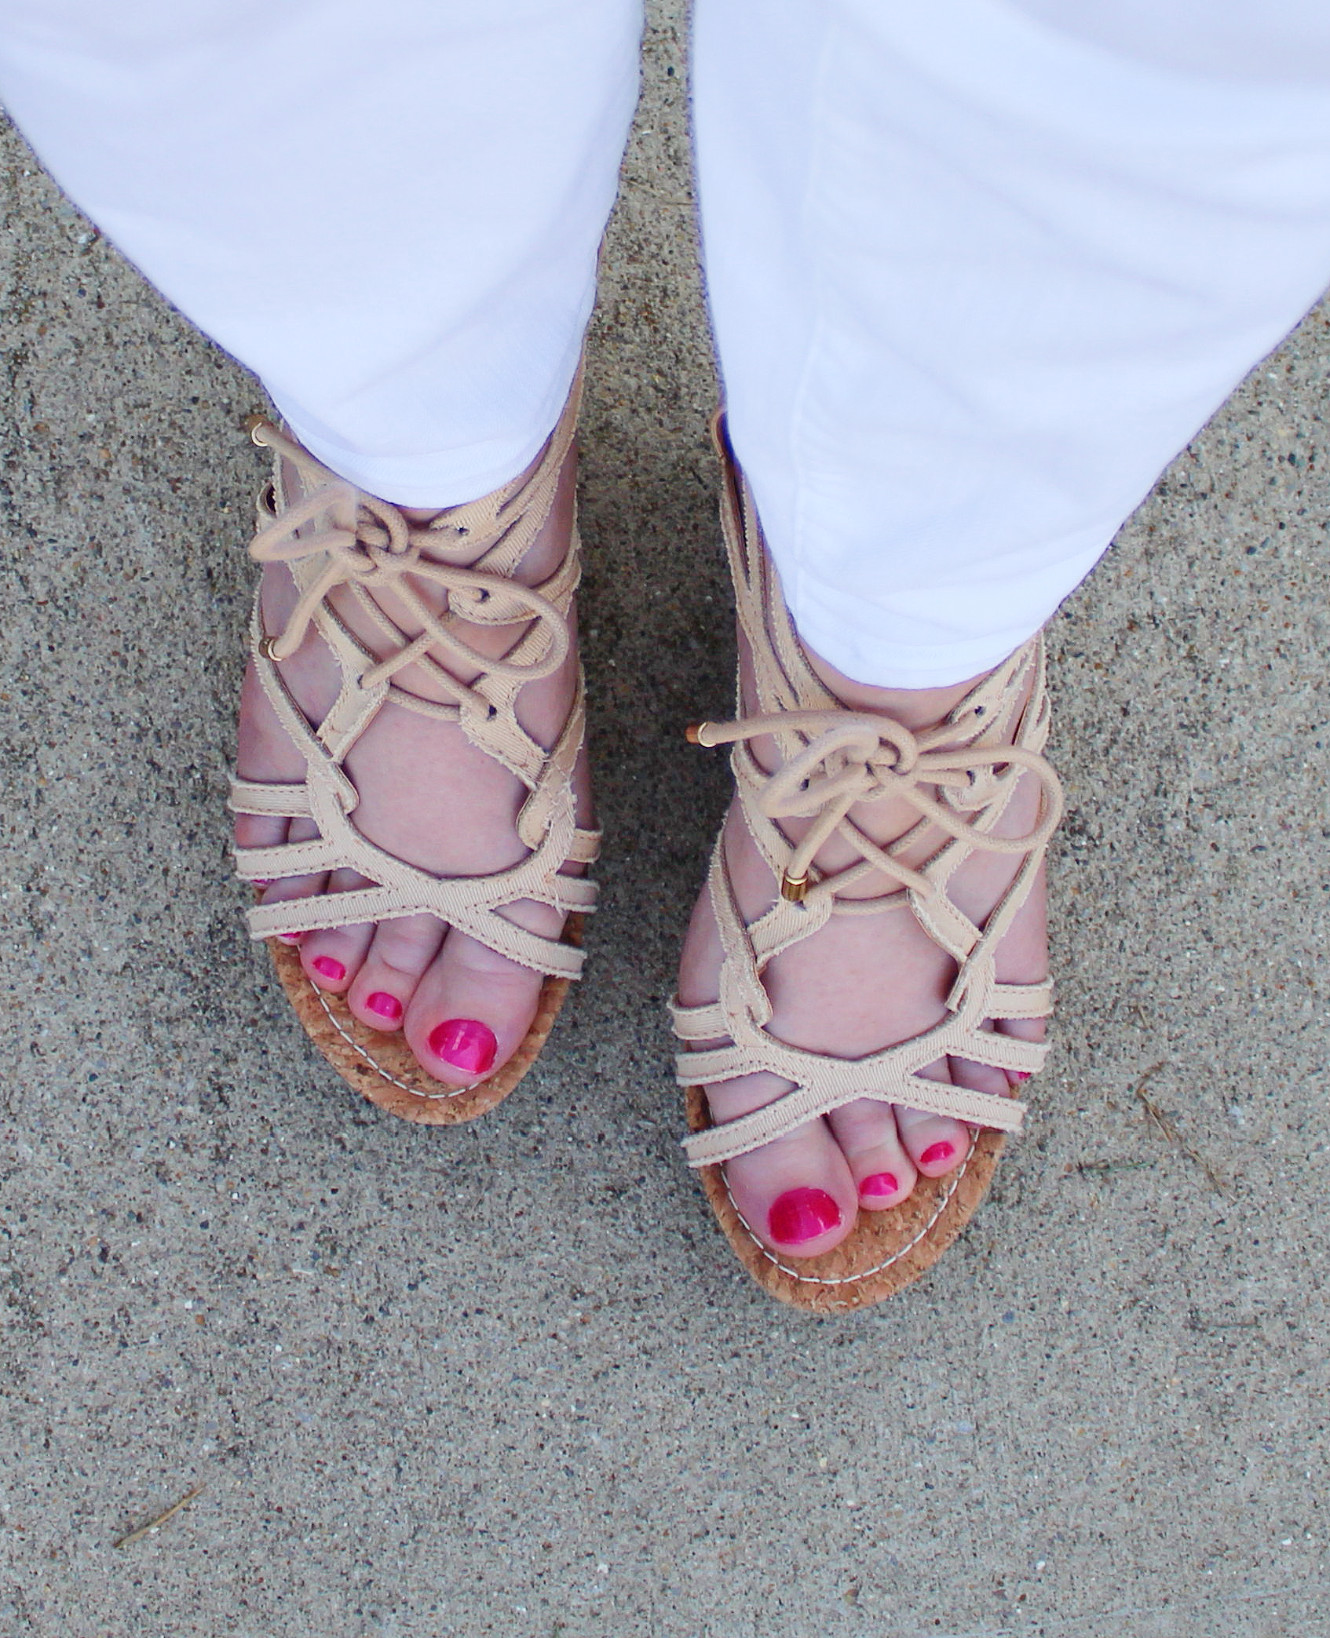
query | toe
[980, 1077]
[254, 830]
[869, 1139]
[399, 953]
[259, 830]
[796, 1195]
[1022, 1029]
[471, 1011]
[296, 887]
[935, 1144]
[333, 956]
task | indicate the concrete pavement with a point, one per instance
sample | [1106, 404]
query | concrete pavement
[508, 1380]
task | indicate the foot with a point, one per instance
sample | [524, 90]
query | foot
[432, 798]
[856, 986]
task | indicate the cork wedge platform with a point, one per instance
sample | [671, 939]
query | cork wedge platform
[384, 1069]
[959, 776]
[455, 571]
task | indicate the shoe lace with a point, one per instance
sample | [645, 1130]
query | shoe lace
[856, 757]
[370, 545]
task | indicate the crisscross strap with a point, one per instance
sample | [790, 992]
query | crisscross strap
[959, 777]
[332, 535]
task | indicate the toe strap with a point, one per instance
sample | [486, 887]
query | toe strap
[796, 1108]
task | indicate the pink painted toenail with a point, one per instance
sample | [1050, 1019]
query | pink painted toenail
[267, 881]
[802, 1214]
[936, 1153]
[879, 1184]
[1020, 1074]
[330, 968]
[289, 938]
[465, 1044]
[387, 1006]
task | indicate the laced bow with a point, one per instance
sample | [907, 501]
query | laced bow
[855, 757]
[370, 545]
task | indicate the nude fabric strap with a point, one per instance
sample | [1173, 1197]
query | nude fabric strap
[959, 776]
[334, 538]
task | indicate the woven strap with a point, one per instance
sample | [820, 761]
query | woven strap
[331, 535]
[959, 776]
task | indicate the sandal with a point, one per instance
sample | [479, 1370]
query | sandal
[332, 535]
[832, 759]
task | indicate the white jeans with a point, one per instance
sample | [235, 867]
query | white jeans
[978, 269]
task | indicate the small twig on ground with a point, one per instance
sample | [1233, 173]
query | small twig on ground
[1169, 1132]
[1091, 1168]
[153, 1524]
[1148, 1076]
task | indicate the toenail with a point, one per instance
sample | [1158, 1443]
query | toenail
[879, 1184]
[266, 881]
[464, 1043]
[936, 1153]
[387, 1006]
[289, 938]
[802, 1214]
[1020, 1074]
[330, 968]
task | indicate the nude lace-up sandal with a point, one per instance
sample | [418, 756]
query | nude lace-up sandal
[959, 776]
[331, 535]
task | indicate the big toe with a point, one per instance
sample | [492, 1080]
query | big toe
[470, 1012]
[796, 1194]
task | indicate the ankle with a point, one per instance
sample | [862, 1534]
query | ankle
[913, 708]
[548, 550]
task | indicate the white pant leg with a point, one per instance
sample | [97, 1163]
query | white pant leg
[390, 211]
[977, 275]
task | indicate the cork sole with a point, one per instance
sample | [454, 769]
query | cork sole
[884, 1252]
[380, 1065]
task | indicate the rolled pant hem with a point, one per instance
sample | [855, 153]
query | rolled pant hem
[896, 667]
[451, 478]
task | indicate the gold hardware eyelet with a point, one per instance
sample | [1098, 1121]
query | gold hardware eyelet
[794, 889]
[693, 732]
[267, 646]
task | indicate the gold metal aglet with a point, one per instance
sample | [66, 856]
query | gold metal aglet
[794, 888]
[693, 732]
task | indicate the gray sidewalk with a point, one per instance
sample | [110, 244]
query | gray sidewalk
[508, 1379]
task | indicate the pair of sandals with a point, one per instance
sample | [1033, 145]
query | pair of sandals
[959, 776]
